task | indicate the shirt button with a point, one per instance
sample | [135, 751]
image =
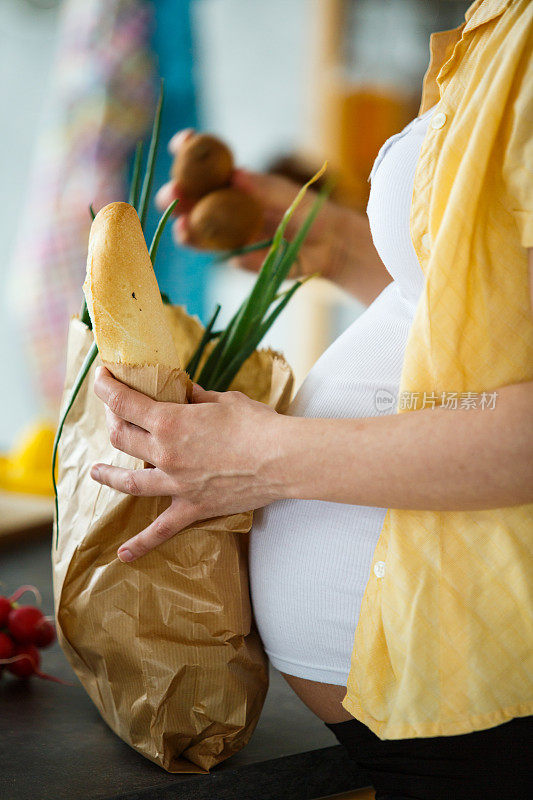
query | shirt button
[426, 241]
[379, 569]
[438, 120]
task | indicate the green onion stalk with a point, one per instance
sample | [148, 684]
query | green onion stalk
[253, 319]
[263, 305]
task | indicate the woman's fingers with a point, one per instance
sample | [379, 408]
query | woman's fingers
[179, 139]
[130, 438]
[170, 191]
[273, 191]
[139, 482]
[126, 403]
[166, 195]
[200, 395]
[180, 230]
[176, 517]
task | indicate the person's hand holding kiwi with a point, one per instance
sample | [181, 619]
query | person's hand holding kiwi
[338, 246]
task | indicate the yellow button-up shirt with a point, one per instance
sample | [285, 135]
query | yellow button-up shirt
[444, 644]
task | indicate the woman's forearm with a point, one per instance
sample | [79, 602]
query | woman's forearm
[224, 453]
[433, 459]
[354, 263]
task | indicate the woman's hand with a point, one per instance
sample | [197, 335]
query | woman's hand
[219, 455]
[339, 245]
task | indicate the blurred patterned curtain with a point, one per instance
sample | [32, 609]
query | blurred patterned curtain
[100, 103]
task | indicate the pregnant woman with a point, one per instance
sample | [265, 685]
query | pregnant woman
[407, 527]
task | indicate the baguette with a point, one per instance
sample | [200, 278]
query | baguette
[124, 302]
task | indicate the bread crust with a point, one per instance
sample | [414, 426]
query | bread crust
[123, 297]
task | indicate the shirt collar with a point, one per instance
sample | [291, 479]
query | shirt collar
[442, 45]
[482, 11]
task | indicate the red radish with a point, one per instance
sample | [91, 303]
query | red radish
[25, 662]
[22, 623]
[44, 633]
[5, 608]
[7, 645]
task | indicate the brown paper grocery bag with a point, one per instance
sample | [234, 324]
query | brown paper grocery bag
[165, 647]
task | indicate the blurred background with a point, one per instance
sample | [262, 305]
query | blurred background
[287, 83]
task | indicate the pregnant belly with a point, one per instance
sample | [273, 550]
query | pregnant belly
[309, 565]
[310, 560]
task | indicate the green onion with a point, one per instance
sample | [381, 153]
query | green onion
[255, 315]
[294, 205]
[84, 313]
[135, 187]
[296, 244]
[241, 251]
[192, 366]
[279, 260]
[150, 162]
[224, 381]
[241, 322]
[84, 369]
[249, 316]
[301, 281]
[294, 247]
[159, 230]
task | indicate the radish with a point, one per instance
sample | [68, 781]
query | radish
[28, 625]
[23, 622]
[25, 662]
[6, 603]
[44, 633]
[7, 648]
[5, 608]
[7, 645]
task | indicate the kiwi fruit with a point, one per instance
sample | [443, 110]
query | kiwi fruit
[224, 220]
[203, 164]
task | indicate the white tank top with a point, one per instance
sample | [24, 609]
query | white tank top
[310, 560]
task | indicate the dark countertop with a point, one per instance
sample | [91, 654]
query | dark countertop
[55, 746]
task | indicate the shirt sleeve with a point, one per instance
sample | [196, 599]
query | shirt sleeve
[518, 157]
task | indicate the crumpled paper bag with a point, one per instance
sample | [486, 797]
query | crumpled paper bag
[166, 646]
